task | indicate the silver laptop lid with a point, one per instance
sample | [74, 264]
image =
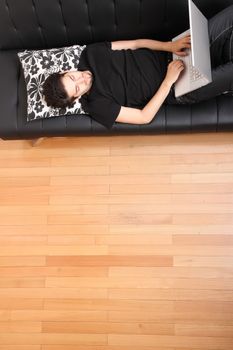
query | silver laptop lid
[199, 29]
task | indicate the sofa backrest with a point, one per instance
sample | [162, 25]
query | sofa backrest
[27, 24]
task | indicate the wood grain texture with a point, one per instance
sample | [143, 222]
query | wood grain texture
[117, 243]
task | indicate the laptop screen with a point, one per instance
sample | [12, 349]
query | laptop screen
[199, 40]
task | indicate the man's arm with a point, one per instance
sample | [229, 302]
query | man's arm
[171, 46]
[144, 116]
[141, 43]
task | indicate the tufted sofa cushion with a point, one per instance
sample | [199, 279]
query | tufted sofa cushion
[38, 24]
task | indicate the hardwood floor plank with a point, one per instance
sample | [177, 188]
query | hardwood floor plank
[110, 260]
[109, 327]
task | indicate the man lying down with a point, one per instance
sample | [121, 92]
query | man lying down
[128, 81]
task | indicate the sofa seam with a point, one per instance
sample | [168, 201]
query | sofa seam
[17, 103]
[40, 28]
[115, 17]
[191, 118]
[89, 19]
[63, 18]
[217, 108]
[13, 22]
[140, 12]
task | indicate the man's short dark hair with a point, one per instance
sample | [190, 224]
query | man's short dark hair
[54, 92]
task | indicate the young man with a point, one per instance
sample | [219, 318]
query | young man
[128, 81]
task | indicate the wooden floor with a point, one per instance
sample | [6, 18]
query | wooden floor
[121, 243]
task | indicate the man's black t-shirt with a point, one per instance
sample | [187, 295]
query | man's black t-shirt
[127, 78]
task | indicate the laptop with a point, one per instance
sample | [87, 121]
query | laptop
[197, 72]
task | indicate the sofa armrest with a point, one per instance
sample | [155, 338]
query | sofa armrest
[9, 73]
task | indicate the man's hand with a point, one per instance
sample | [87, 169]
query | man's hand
[173, 71]
[178, 47]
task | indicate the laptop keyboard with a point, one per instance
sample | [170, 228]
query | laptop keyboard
[194, 72]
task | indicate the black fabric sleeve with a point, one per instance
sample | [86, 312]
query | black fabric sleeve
[105, 111]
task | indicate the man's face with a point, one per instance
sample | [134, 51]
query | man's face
[77, 83]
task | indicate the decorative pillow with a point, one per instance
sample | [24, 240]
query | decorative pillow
[37, 66]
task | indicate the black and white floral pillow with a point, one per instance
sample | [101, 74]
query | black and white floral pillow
[37, 66]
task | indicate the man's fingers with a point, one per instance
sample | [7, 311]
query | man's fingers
[181, 65]
[181, 53]
[188, 38]
[178, 63]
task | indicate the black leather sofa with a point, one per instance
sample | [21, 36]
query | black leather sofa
[36, 24]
